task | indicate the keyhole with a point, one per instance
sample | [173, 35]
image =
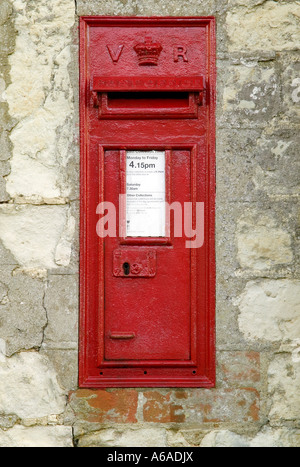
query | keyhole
[126, 267]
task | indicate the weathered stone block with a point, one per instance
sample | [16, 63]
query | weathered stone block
[101, 406]
[7, 39]
[6, 422]
[228, 285]
[114, 7]
[290, 63]
[284, 385]
[40, 97]
[4, 197]
[6, 258]
[250, 94]
[125, 437]
[227, 214]
[34, 234]
[175, 7]
[67, 249]
[185, 436]
[224, 438]
[22, 315]
[162, 408]
[261, 243]
[3, 294]
[252, 165]
[278, 164]
[4, 170]
[250, 4]
[269, 310]
[146, 7]
[236, 165]
[239, 368]
[29, 387]
[276, 437]
[177, 439]
[268, 437]
[2, 88]
[261, 248]
[269, 26]
[61, 303]
[37, 437]
[65, 363]
[5, 11]
[202, 406]
[4, 146]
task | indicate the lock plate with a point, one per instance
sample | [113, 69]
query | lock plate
[134, 263]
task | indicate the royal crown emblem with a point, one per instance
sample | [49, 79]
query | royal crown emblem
[148, 52]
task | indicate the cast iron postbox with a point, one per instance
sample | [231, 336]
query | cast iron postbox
[147, 103]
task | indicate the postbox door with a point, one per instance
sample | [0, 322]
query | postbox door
[148, 285]
[147, 270]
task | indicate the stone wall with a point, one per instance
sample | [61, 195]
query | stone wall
[257, 398]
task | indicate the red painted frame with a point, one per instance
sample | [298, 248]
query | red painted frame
[91, 358]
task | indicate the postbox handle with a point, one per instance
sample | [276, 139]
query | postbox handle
[122, 335]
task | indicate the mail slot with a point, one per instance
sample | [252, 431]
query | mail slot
[147, 258]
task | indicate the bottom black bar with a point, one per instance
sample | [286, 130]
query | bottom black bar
[148, 456]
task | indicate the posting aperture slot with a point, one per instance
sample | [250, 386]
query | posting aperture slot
[147, 104]
[148, 97]
[147, 100]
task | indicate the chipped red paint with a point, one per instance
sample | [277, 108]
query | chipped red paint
[147, 329]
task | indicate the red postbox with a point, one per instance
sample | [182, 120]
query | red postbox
[147, 103]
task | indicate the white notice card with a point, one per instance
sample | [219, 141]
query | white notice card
[145, 194]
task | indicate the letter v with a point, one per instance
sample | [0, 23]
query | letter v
[115, 55]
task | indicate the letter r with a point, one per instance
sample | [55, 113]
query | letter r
[180, 51]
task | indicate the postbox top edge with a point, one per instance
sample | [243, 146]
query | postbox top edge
[171, 20]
